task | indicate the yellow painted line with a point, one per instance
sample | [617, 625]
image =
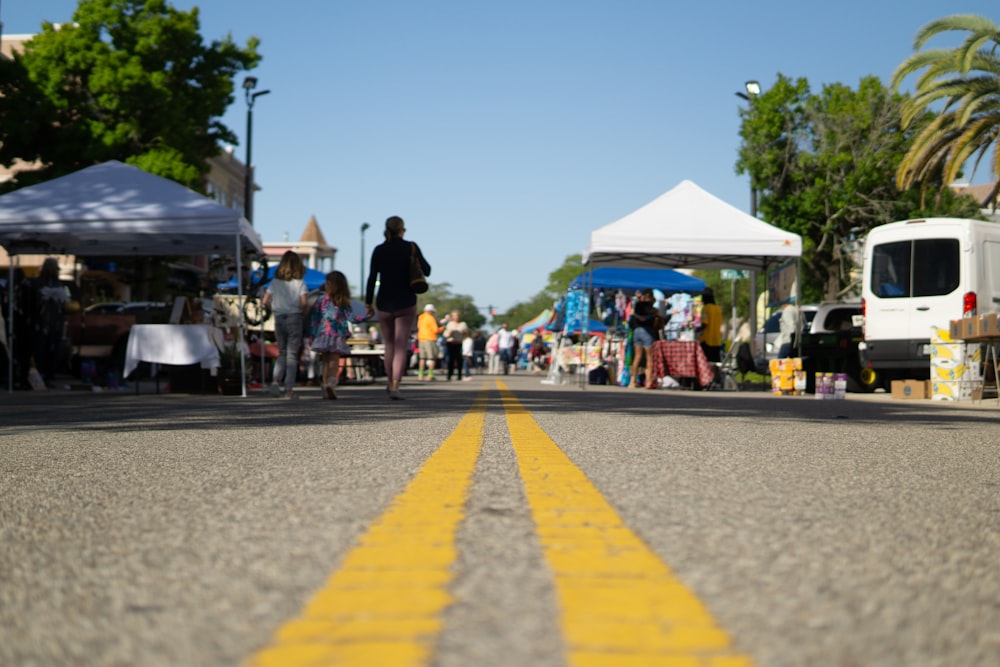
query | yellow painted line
[383, 606]
[621, 606]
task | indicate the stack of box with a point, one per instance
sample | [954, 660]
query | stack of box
[831, 386]
[975, 327]
[956, 368]
[787, 377]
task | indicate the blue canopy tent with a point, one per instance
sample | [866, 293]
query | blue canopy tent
[614, 277]
[595, 326]
[314, 278]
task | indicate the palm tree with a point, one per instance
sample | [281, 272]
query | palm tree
[966, 81]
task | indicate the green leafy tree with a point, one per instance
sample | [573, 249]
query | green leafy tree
[445, 301]
[128, 80]
[824, 167]
[966, 81]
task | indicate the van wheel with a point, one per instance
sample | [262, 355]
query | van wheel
[868, 381]
[855, 386]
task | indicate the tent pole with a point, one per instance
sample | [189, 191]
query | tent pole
[589, 282]
[10, 323]
[239, 300]
[798, 305]
[263, 367]
[753, 309]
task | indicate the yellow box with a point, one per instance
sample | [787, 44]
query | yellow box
[955, 390]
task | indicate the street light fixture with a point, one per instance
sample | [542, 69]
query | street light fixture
[249, 83]
[364, 228]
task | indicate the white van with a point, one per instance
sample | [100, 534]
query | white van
[920, 274]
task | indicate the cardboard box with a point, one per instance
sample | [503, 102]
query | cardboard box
[989, 325]
[970, 327]
[955, 329]
[955, 390]
[910, 388]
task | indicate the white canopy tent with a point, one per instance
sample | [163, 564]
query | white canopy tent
[114, 209]
[687, 227]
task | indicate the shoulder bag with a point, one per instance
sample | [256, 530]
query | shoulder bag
[418, 282]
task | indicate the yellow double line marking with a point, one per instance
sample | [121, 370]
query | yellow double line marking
[620, 604]
[383, 606]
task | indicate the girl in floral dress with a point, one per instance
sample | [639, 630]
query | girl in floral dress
[329, 328]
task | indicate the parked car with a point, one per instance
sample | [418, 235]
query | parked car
[831, 344]
[767, 334]
[101, 330]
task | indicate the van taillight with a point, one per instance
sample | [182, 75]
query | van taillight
[864, 320]
[969, 303]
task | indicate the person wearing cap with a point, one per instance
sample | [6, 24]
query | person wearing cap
[427, 348]
[396, 302]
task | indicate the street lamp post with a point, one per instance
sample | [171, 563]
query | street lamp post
[752, 91]
[249, 83]
[752, 88]
[364, 228]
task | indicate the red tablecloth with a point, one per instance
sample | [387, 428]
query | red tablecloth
[681, 359]
[270, 350]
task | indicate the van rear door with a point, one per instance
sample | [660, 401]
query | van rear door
[914, 284]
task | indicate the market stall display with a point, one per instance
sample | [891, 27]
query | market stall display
[681, 359]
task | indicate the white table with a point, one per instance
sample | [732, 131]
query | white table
[362, 362]
[173, 344]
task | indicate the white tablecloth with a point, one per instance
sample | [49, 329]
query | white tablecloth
[174, 344]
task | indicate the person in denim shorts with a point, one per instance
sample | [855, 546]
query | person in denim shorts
[286, 295]
[644, 333]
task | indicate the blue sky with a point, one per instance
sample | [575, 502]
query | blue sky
[504, 133]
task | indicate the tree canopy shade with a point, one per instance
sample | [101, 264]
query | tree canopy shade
[824, 167]
[966, 81]
[126, 80]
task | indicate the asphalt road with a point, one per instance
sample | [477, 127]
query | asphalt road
[191, 530]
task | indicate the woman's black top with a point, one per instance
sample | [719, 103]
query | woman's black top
[390, 265]
[644, 317]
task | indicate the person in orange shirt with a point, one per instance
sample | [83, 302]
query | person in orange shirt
[428, 330]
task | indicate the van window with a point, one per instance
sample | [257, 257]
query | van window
[935, 263]
[840, 319]
[925, 267]
[991, 264]
[891, 270]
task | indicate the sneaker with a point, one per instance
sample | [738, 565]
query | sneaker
[466, 379]
[394, 395]
[274, 390]
[290, 396]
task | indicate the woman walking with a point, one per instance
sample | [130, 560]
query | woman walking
[329, 328]
[286, 295]
[396, 303]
